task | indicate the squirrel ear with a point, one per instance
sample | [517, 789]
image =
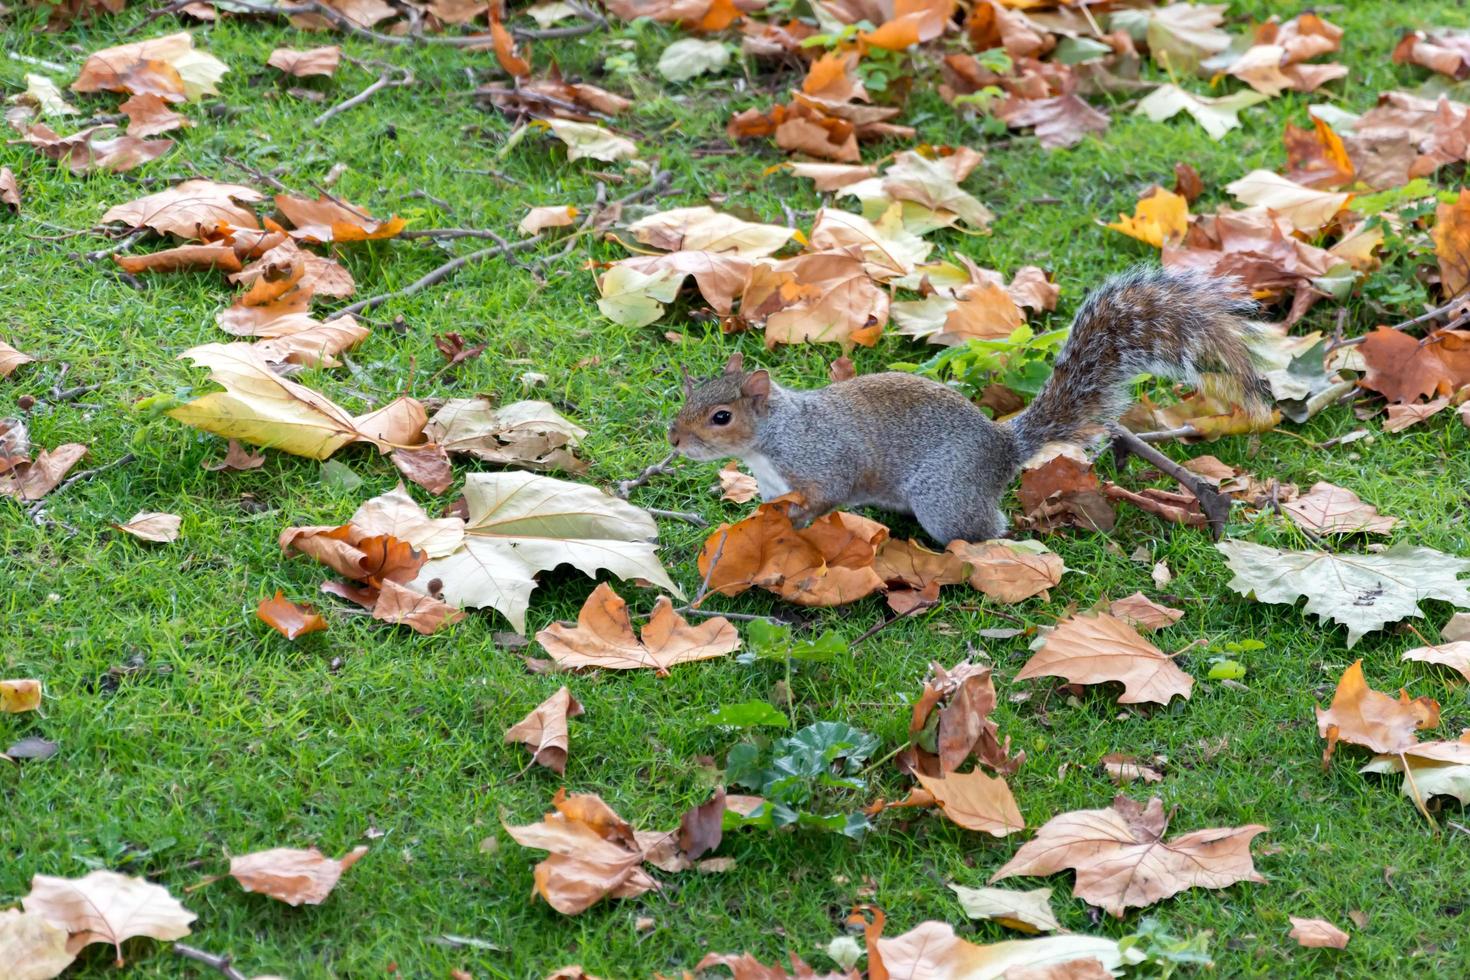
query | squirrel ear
[735, 364]
[757, 385]
[688, 381]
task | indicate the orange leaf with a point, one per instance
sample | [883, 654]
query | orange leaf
[1452, 243]
[976, 801]
[545, 730]
[603, 636]
[1363, 716]
[287, 618]
[514, 64]
[1093, 648]
[292, 875]
[1317, 933]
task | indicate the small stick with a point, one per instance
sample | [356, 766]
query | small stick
[1432, 315]
[220, 963]
[714, 560]
[884, 624]
[1168, 435]
[38, 62]
[259, 175]
[626, 487]
[678, 515]
[392, 77]
[121, 244]
[1216, 506]
[438, 202]
[34, 511]
[437, 275]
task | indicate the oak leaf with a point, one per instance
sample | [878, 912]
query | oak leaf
[292, 875]
[31, 946]
[544, 730]
[1123, 861]
[1094, 648]
[288, 618]
[520, 523]
[107, 907]
[19, 695]
[1362, 592]
[300, 64]
[157, 527]
[1317, 933]
[1028, 911]
[603, 637]
[1010, 571]
[1329, 509]
[1362, 716]
[827, 563]
[1140, 611]
[975, 801]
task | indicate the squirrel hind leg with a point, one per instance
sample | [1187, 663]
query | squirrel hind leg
[975, 519]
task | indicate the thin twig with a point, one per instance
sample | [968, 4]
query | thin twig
[220, 963]
[393, 76]
[516, 181]
[36, 508]
[625, 488]
[26, 59]
[714, 560]
[678, 515]
[884, 624]
[438, 202]
[1168, 435]
[259, 175]
[120, 245]
[1215, 505]
[437, 275]
[738, 617]
[1459, 300]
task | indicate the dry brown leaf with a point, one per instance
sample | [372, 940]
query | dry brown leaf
[31, 947]
[1140, 611]
[1127, 769]
[288, 618]
[550, 216]
[1060, 121]
[544, 730]
[292, 875]
[603, 636]
[149, 115]
[32, 480]
[237, 459]
[1452, 242]
[107, 907]
[1454, 653]
[1317, 157]
[735, 485]
[86, 151]
[19, 695]
[285, 269]
[193, 209]
[158, 527]
[1444, 51]
[1401, 417]
[531, 435]
[10, 359]
[1329, 509]
[975, 801]
[402, 606]
[9, 189]
[327, 220]
[179, 258]
[964, 697]
[1063, 491]
[594, 854]
[703, 229]
[1123, 861]
[1362, 716]
[1094, 648]
[1404, 369]
[816, 297]
[169, 66]
[1010, 571]
[1317, 933]
[300, 64]
[827, 563]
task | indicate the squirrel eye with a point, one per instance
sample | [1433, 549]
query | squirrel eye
[721, 417]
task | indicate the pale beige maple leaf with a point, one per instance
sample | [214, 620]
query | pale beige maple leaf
[31, 947]
[1091, 649]
[293, 875]
[603, 636]
[1122, 860]
[107, 907]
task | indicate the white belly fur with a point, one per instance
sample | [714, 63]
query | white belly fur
[772, 484]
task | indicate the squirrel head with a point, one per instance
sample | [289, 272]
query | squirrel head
[720, 414]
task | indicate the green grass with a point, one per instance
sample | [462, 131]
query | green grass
[188, 731]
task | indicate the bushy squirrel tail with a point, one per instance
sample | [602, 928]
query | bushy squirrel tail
[1178, 323]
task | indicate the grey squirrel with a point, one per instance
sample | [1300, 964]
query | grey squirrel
[914, 446]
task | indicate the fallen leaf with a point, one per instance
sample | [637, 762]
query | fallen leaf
[1362, 592]
[975, 801]
[32, 480]
[1317, 933]
[10, 196]
[31, 747]
[934, 184]
[636, 299]
[1329, 509]
[288, 618]
[690, 57]
[530, 435]
[703, 229]
[86, 151]
[301, 64]
[544, 730]
[180, 258]
[1062, 490]
[588, 140]
[44, 94]
[1401, 417]
[10, 359]
[1362, 716]
[1317, 156]
[161, 528]
[1122, 769]
[1160, 218]
[31, 946]
[1028, 911]
[327, 219]
[1404, 369]
[1217, 116]
[1123, 861]
[735, 485]
[932, 950]
[1140, 611]
[519, 524]
[192, 209]
[1061, 121]
[603, 637]
[1307, 208]
[828, 563]
[149, 115]
[237, 459]
[107, 907]
[402, 606]
[1455, 653]
[1442, 50]
[549, 216]
[1010, 571]
[1452, 243]
[964, 697]
[594, 854]
[186, 73]
[19, 695]
[292, 875]
[720, 276]
[1430, 769]
[1094, 648]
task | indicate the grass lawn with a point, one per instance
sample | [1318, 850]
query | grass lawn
[188, 731]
